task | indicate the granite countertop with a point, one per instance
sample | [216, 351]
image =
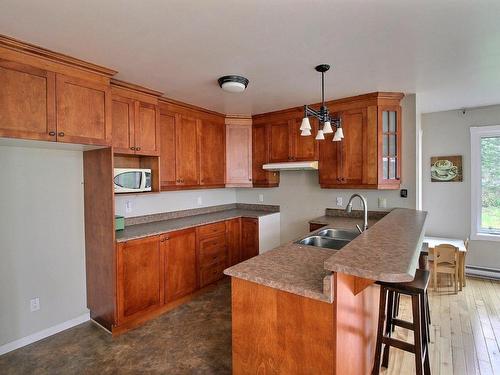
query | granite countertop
[387, 251]
[293, 268]
[158, 227]
[340, 222]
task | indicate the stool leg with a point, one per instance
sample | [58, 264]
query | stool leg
[380, 330]
[417, 329]
[388, 326]
[396, 309]
[427, 315]
[425, 332]
[428, 308]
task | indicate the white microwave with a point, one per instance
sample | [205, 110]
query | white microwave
[131, 180]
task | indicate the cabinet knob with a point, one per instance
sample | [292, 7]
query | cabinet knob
[132, 148]
[60, 134]
[138, 148]
[52, 133]
[249, 179]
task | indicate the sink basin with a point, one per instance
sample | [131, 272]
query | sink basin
[324, 242]
[339, 234]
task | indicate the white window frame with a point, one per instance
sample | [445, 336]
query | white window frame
[476, 133]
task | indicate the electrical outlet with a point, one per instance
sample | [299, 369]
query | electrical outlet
[382, 202]
[200, 201]
[261, 197]
[339, 201]
[35, 304]
[128, 207]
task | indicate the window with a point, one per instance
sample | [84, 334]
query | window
[485, 184]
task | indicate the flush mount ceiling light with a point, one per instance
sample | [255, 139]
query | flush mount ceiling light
[323, 115]
[233, 83]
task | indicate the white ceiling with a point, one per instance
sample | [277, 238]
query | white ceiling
[448, 52]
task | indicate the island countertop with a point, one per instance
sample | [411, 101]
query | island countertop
[388, 251]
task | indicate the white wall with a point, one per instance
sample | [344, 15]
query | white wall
[42, 247]
[172, 201]
[447, 133]
[301, 199]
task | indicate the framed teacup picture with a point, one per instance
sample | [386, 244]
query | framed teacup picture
[446, 168]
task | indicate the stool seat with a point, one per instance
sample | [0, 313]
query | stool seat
[417, 285]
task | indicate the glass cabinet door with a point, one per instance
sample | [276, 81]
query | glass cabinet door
[390, 153]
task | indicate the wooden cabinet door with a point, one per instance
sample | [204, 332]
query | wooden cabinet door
[83, 111]
[280, 148]
[353, 146]
[139, 276]
[249, 238]
[260, 156]
[147, 129]
[186, 147]
[389, 146]
[180, 263]
[123, 125]
[239, 155]
[329, 162]
[233, 241]
[211, 136]
[27, 102]
[167, 150]
[304, 148]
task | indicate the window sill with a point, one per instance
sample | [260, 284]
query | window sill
[485, 237]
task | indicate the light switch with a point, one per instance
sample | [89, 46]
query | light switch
[35, 304]
[200, 201]
[339, 201]
[261, 197]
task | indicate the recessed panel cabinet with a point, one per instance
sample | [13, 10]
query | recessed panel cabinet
[139, 275]
[211, 136]
[238, 152]
[43, 105]
[249, 238]
[27, 102]
[179, 249]
[260, 156]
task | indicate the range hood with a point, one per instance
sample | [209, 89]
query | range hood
[292, 166]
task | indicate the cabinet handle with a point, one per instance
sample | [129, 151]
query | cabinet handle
[52, 133]
[132, 148]
[61, 134]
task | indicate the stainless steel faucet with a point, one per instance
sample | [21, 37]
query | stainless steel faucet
[365, 210]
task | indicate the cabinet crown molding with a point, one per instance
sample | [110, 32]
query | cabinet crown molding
[20, 46]
[133, 87]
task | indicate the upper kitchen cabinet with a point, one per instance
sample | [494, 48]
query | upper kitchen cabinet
[136, 121]
[27, 102]
[52, 97]
[238, 152]
[83, 111]
[260, 156]
[211, 136]
[369, 155]
[389, 152]
[192, 147]
[285, 142]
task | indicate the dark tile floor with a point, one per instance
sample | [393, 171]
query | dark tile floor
[195, 338]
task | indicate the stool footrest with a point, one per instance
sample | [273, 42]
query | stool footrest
[407, 347]
[402, 323]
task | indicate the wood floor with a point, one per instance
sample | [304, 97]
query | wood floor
[465, 332]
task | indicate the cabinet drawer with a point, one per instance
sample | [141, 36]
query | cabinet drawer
[212, 250]
[212, 229]
[211, 274]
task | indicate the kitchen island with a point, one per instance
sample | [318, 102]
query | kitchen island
[300, 309]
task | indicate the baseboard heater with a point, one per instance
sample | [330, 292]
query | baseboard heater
[488, 273]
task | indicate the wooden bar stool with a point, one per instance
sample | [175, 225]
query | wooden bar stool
[423, 264]
[417, 290]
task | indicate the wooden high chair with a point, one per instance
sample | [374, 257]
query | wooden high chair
[446, 261]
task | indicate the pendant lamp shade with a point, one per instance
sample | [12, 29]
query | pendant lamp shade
[320, 136]
[327, 127]
[305, 124]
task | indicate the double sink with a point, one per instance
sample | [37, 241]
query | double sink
[333, 239]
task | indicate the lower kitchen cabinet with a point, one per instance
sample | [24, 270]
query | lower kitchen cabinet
[139, 276]
[249, 238]
[179, 249]
[212, 252]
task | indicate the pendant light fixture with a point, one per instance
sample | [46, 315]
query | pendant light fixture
[323, 115]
